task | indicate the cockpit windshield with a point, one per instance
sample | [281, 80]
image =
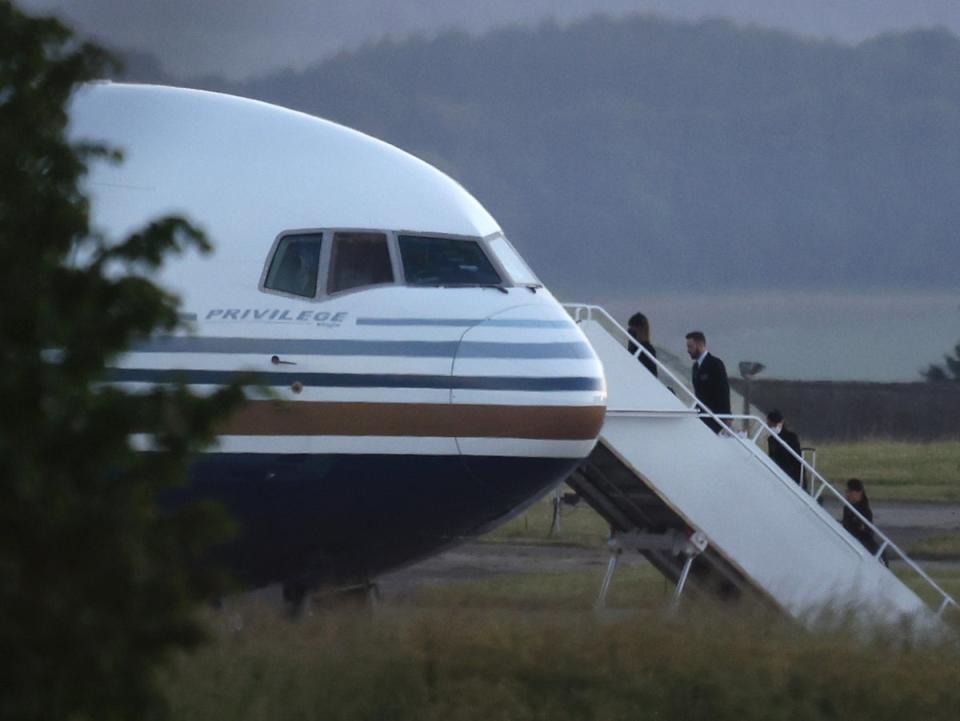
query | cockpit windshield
[511, 261]
[429, 260]
[319, 263]
[295, 264]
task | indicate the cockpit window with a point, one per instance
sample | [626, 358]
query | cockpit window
[359, 259]
[445, 261]
[295, 265]
[511, 261]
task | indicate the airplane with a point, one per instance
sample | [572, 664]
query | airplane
[430, 386]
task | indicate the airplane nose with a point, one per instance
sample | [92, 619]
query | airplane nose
[532, 385]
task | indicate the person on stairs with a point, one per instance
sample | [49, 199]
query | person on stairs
[856, 495]
[710, 383]
[639, 328]
[778, 451]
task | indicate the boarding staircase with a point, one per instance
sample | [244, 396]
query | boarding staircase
[713, 513]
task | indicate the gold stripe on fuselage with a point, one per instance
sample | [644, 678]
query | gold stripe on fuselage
[313, 418]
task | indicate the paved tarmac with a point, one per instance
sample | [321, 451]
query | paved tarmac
[905, 523]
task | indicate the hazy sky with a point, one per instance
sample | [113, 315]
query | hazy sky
[875, 336]
[891, 336]
[239, 38]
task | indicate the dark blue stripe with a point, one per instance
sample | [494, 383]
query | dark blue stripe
[411, 348]
[469, 349]
[360, 380]
[298, 346]
[466, 322]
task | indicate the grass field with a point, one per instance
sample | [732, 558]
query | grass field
[896, 470]
[945, 547]
[634, 587]
[579, 525]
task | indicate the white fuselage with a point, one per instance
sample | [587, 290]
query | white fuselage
[428, 393]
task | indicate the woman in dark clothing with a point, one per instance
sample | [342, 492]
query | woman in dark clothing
[857, 497]
[639, 328]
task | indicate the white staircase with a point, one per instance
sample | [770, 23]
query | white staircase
[659, 473]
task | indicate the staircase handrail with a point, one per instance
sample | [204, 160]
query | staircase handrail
[826, 485]
[577, 310]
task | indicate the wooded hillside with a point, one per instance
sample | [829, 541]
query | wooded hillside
[648, 153]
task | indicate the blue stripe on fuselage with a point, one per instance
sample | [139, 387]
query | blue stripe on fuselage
[380, 348]
[467, 322]
[358, 380]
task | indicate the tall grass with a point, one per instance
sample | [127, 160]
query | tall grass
[524, 647]
[454, 664]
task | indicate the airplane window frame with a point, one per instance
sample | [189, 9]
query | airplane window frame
[503, 276]
[326, 262]
[327, 237]
[317, 233]
[530, 281]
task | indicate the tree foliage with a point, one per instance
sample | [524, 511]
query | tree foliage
[97, 582]
[949, 371]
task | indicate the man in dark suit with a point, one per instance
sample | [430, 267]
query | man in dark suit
[780, 455]
[710, 382]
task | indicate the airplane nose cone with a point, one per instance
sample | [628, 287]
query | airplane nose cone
[535, 388]
[535, 393]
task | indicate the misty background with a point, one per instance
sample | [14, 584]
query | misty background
[792, 190]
